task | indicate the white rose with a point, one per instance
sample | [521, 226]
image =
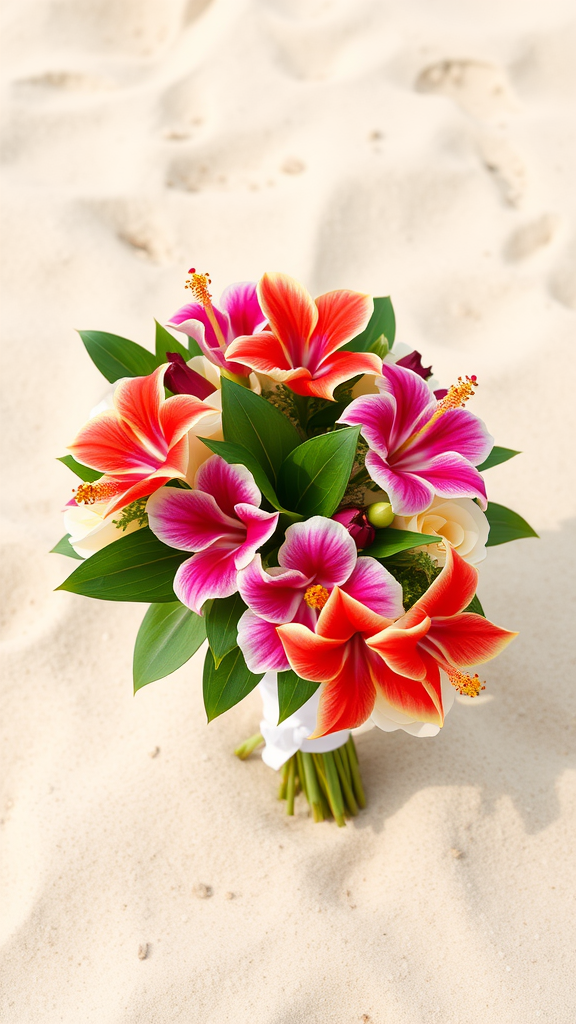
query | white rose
[458, 521]
[90, 531]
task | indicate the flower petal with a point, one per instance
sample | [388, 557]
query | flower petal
[262, 352]
[227, 484]
[452, 476]
[450, 592]
[342, 616]
[321, 549]
[466, 639]
[341, 316]
[348, 699]
[192, 319]
[260, 526]
[399, 648]
[138, 401]
[372, 585]
[205, 576]
[414, 401]
[273, 597]
[240, 302]
[106, 444]
[456, 430]
[334, 370]
[375, 414]
[191, 520]
[260, 644]
[178, 414]
[311, 656]
[291, 313]
[408, 493]
[420, 700]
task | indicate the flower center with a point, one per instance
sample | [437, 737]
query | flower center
[316, 596]
[198, 285]
[469, 686]
[89, 494]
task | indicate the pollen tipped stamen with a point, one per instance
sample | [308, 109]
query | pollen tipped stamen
[468, 686]
[90, 494]
[316, 596]
[458, 394]
[198, 285]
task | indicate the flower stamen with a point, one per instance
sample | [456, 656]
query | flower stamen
[90, 494]
[468, 686]
[198, 285]
[457, 395]
[316, 596]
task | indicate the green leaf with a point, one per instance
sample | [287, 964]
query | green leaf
[382, 322]
[64, 547]
[257, 425]
[222, 616]
[137, 567]
[117, 357]
[475, 606]
[84, 472]
[293, 692]
[313, 478]
[505, 525]
[166, 342]
[389, 542]
[327, 415]
[226, 685]
[497, 455]
[168, 637]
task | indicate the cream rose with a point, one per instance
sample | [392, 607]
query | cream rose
[458, 521]
[90, 531]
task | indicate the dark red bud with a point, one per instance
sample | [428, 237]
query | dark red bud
[182, 380]
[441, 393]
[413, 361]
[355, 521]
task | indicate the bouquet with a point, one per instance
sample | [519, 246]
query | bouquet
[289, 487]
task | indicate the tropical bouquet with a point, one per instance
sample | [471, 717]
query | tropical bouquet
[296, 491]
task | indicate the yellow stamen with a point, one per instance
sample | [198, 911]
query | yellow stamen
[198, 285]
[457, 395]
[89, 494]
[316, 596]
[469, 686]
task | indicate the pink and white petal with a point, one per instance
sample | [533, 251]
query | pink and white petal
[376, 415]
[106, 443]
[179, 413]
[193, 320]
[240, 302]
[207, 575]
[262, 352]
[415, 403]
[313, 657]
[456, 430]
[335, 370]
[191, 520]
[399, 648]
[466, 639]
[259, 525]
[227, 484]
[138, 401]
[450, 592]
[452, 476]
[408, 493]
[341, 316]
[372, 585]
[260, 644]
[347, 701]
[291, 313]
[420, 700]
[321, 549]
[342, 616]
[273, 597]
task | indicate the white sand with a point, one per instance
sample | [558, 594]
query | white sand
[422, 149]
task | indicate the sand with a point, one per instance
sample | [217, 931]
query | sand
[417, 149]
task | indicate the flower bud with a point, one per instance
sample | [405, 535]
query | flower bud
[380, 514]
[357, 525]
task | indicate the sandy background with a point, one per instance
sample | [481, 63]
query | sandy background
[420, 149]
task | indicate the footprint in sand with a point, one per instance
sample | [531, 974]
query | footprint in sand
[529, 238]
[138, 225]
[479, 88]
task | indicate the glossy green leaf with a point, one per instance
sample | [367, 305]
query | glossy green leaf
[64, 547]
[222, 616]
[166, 342]
[389, 542]
[313, 478]
[84, 472]
[137, 567]
[226, 684]
[475, 606]
[293, 692]
[381, 323]
[497, 455]
[257, 425]
[168, 637]
[117, 357]
[506, 525]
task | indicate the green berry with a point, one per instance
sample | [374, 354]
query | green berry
[380, 514]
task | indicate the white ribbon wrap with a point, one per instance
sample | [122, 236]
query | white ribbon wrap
[284, 740]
